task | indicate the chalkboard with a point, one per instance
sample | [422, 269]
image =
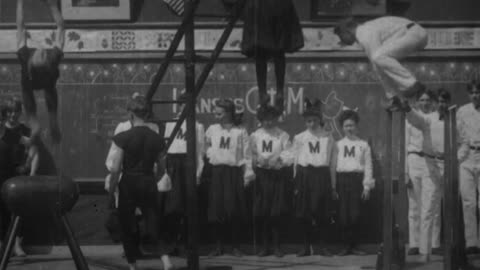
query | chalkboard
[93, 97]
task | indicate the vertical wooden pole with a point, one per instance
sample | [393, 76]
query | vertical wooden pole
[191, 187]
[447, 195]
[402, 191]
[387, 198]
[458, 247]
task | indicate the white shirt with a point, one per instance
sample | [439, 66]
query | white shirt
[414, 137]
[355, 156]
[227, 146]
[468, 127]
[270, 146]
[179, 144]
[312, 150]
[372, 34]
[433, 131]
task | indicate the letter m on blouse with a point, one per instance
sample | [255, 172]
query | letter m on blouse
[314, 149]
[349, 152]
[181, 135]
[267, 147]
[224, 143]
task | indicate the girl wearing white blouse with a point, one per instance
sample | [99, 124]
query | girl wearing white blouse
[353, 162]
[228, 152]
[314, 177]
[273, 172]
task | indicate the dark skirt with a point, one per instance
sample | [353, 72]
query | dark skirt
[174, 201]
[349, 188]
[313, 190]
[226, 197]
[272, 192]
[271, 26]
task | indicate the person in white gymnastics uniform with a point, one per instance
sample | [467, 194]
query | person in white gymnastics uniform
[353, 164]
[273, 171]
[385, 41]
[468, 125]
[228, 152]
[432, 127]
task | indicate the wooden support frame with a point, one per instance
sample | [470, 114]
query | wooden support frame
[387, 198]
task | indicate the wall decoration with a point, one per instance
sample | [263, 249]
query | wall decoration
[96, 9]
[328, 8]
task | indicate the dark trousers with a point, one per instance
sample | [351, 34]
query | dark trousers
[138, 191]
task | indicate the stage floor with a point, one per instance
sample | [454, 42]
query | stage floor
[109, 258]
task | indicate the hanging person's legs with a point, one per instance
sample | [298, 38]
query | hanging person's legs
[386, 58]
[261, 72]
[51, 99]
[31, 110]
[280, 65]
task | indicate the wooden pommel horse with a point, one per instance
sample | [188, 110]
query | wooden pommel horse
[32, 196]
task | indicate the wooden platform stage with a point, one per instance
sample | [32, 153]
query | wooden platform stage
[110, 258]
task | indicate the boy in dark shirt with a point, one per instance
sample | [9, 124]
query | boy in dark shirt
[39, 68]
[138, 149]
[15, 129]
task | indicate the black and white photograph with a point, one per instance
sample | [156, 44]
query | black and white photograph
[239, 135]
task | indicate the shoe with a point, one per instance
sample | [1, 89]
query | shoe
[237, 252]
[437, 251]
[413, 251]
[471, 250]
[325, 252]
[216, 252]
[344, 252]
[304, 252]
[412, 91]
[278, 253]
[263, 252]
[358, 252]
[175, 252]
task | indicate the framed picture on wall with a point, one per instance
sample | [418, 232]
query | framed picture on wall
[80, 10]
[339, 8]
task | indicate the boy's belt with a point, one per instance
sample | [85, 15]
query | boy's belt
[423, 154]
[475, 148]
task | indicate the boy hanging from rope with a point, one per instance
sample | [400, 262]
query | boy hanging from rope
[39, 68]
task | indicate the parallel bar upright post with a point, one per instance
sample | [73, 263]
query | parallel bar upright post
[448, 219]
[191, 186]
[458, 247]
[387, 198]
[401, 180]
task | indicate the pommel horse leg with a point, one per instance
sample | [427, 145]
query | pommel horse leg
[77, 255]
[8, 244]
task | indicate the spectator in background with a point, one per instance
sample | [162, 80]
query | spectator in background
[418, 181]
[468, 125]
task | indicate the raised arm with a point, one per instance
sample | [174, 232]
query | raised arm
[21, 31]
[417, 120]
[57, 17]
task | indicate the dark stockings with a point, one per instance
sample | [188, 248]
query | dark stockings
[261, 60]
[265, 226]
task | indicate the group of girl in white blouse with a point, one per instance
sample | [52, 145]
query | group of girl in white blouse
[313, 164]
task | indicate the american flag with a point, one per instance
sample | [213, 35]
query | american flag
[176, 6]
